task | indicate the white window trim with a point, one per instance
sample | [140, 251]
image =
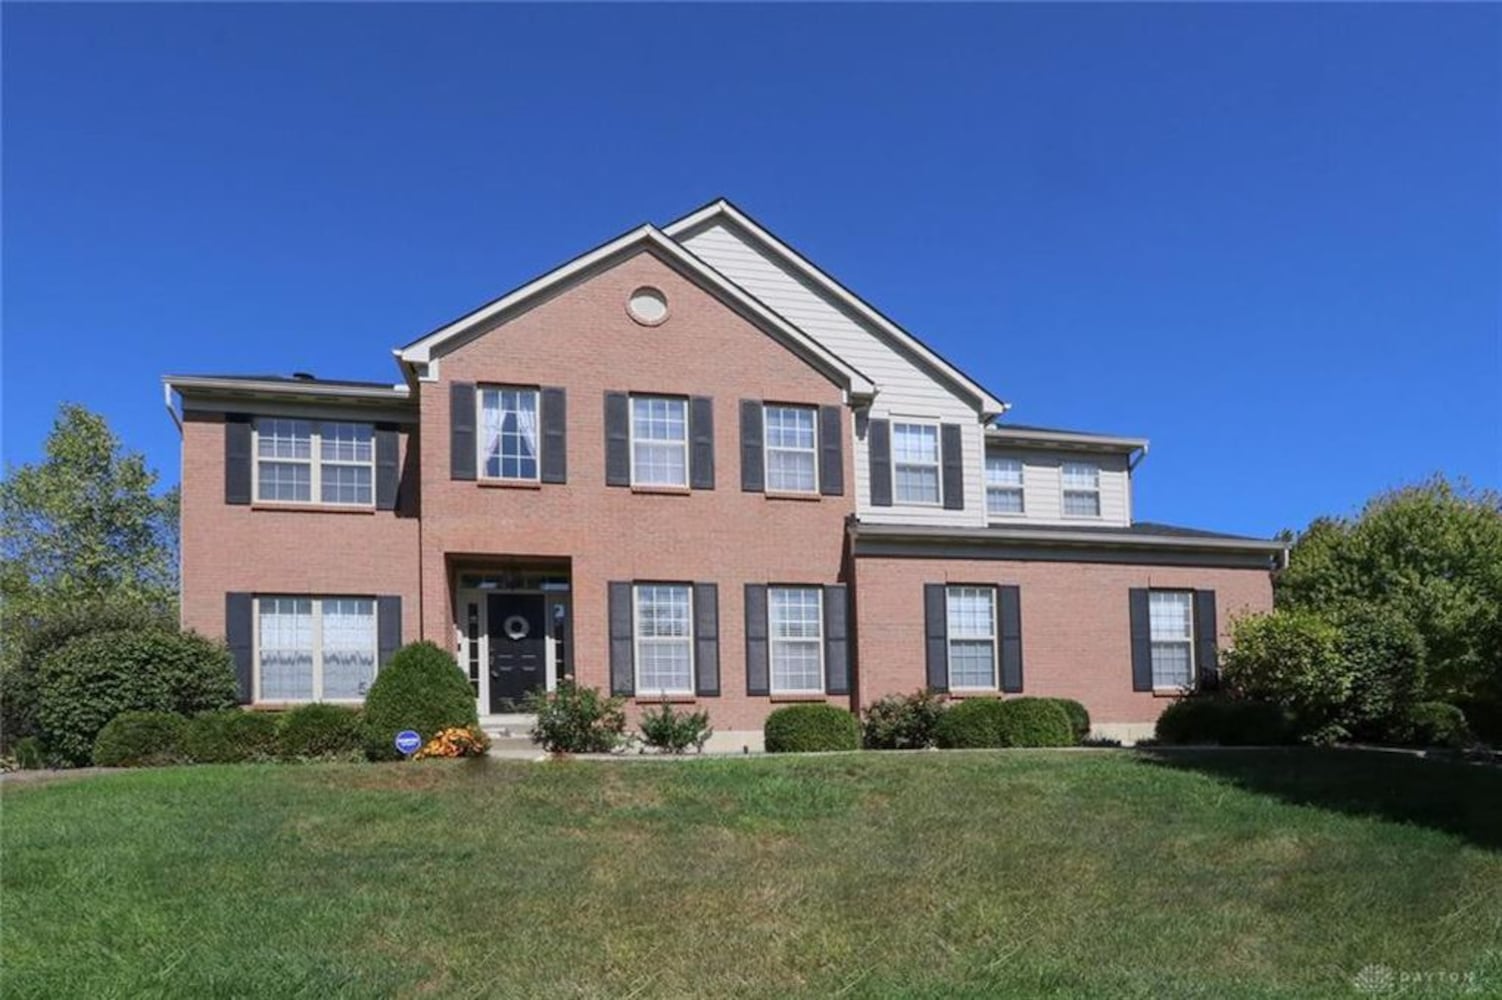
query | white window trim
[637, 640]
[1064, 492]
[1190, 642]
[480, 456]
[1020, 488]
[631, 439]
[317, 650]
[315, 460]
[938, 464]
[773, 640]
[767, 449]
[949, 640]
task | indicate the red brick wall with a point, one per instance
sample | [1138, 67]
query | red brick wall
[1076, 638]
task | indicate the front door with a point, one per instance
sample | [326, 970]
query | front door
[518, 649]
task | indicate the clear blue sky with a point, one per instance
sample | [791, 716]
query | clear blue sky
[1267, 237]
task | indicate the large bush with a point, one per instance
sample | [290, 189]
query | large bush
[1079, 717]
[1434, 724]
[421, 689]
[89, 680]
[576, 719]
[230, 737]
[1210, 720]
[1013, 722]
[1292, 659]
[971, 724]
[1384, 654]
[811, 728]
[320, 731]
[902, 722]
[141, 739]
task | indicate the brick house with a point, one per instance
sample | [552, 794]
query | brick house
[688, 466]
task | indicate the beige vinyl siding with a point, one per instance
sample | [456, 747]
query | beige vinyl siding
[1043, 488]
[906, 389]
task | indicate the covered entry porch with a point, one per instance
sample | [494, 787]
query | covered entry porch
[513, 628]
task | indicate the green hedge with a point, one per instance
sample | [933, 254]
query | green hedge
[1013, 722]
[1079, 717]
[1434, 724]
[230, 737]
[811, 728]
[320, 731]
[1225, 722]
[422, 689]
[141, 739]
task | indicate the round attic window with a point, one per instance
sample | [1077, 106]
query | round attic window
[647, 306]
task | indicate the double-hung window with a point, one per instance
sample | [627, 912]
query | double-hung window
[1081, 489]
[972, 638]
[664, 639]
[300, 460]
[659, 441]
[915, 463]
[790, 449]
[1171, 619]
[315, 649]
[508, 433]
[1003, 485]
[796, 632]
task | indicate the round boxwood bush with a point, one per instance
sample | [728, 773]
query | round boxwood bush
[422, 689]
[1225, 722]
[975, 722]
[1014, 722]
[89, 680]
[811, 728]
[319, 731]
[230, 737]
[1435, 724]
[1079, 718]
[141, 739]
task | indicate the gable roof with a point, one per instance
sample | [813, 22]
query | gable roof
[645, 237]
[722, 210]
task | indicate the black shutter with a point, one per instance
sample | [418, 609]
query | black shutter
[879, 441]
[622, 656]
[388, 628]
[237, 458]
[387, 466]
[707, 640]
[462, 446]
[936, 635]
[758, 681]
[836, 639]
[617, 439]
[1205, 653]
[701, 443]
[239, 630]
[1142, 640]
[554, 465]
[753, 471]
[831, 451]
[952, 461]
[1010, 617]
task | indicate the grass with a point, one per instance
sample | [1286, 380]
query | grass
[1231, 874]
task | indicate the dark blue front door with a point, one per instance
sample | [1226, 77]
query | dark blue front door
[518, 649]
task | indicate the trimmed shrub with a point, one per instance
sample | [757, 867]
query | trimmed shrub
[320, 731]
[1385, 654]
[90, 679]
[1435, 724]
[421, 689]
[1079, 718]
[971, 724]
[672, 732]
[1013, 722]
[1292, 659]
[576, 719]
[902, 721]
[230, 737]
[141, 739]
[1224, 722]
[811, 728]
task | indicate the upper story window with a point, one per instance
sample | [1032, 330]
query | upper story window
[300, 460]
[1003, 485]
[1081, 489]
[791, 450]
[659, 441]
[508, 433]
[315, 649]
[795, 619]
[664, 638]
[1171, 617]
[915, 463]
[972, 638]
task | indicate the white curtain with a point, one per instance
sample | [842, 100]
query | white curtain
[493, 417]
[526, 423]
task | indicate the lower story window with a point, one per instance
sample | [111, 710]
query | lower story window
[315, 649]
[664, 639]
[1171, 616]
[972, 638]
[795, 627]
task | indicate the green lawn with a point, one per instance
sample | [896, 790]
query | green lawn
[1107, 874]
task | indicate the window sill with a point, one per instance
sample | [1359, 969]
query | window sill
[1172, 692]
[510, 484]
[312, 508]
[666, 699]
[794, 696]
[287, 706]
[792, 495]
[962, 693]
[671, 491]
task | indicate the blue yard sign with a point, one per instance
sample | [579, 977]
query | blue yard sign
[407, 741]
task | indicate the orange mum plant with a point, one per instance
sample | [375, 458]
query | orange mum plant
[457, 741]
